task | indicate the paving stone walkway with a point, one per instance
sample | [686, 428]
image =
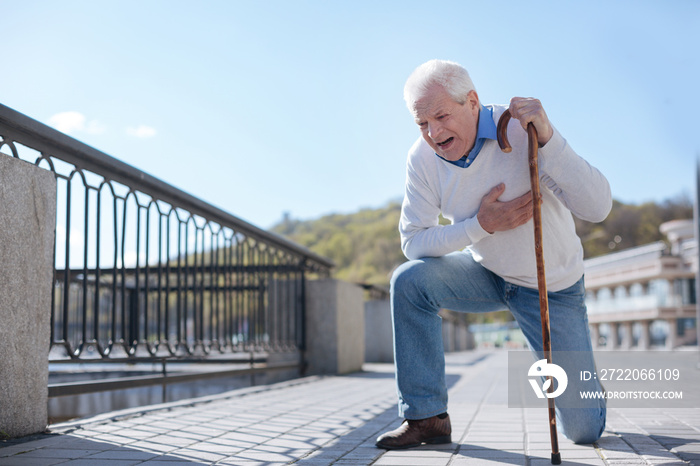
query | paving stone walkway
[335, 420]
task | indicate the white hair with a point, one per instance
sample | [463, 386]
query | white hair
[450, 75]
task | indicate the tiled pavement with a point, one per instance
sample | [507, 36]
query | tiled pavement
[335, 420]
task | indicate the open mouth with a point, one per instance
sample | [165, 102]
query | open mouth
[445, 142]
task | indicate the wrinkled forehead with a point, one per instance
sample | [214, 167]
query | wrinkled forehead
[430, 101]
[419, 107]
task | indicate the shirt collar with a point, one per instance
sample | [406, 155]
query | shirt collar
[486, 129]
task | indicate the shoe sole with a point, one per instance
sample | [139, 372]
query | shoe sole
[431, 441]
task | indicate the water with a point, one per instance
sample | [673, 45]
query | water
[64, 408]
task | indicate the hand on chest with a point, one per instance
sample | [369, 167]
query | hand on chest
[462, 189]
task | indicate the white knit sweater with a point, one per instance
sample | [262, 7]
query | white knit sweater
[568, 185]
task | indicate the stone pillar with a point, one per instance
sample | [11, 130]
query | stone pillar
[447, 335]
[595, 335]
[671, 337]
[335, 327]
[464, 339]
[27, 228]
[613, 338]
[379, 335]
[644, 336]
[626, 342]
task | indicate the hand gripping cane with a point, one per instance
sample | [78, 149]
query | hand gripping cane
[541, 281]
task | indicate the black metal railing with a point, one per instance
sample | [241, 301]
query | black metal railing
[143, 269]
[375, 292]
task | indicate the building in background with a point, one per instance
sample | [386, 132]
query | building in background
[645, 297]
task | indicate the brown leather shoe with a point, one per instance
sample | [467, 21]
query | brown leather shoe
[413, 433]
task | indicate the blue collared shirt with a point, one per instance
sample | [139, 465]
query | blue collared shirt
[486, 129]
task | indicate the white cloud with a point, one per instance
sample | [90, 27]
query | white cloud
[68, 122]
[71, 122]
[141, 131]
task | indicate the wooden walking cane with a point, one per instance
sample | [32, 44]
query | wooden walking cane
[541, 280]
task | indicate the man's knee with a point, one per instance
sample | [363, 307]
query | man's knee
[586, 425]
[408, 275]
[585, 436]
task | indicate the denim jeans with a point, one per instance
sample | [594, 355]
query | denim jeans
[420, 288]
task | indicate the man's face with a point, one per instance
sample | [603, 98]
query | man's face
[447, 126]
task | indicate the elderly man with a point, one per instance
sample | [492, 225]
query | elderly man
[484, 260]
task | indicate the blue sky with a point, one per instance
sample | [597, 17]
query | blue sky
[262, 108]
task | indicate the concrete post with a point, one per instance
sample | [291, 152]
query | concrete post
[27, 228]
[335, 327]
[465, 340]
[379, 335]
[447, 334]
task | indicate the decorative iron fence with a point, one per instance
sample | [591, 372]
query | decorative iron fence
[144, 270]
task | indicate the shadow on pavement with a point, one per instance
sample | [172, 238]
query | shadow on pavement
[687, 448]
[49, 449]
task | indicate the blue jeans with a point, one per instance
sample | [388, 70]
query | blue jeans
[420, 288]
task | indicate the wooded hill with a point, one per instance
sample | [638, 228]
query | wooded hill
[365, 245]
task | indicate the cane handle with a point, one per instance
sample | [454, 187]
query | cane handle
[502, 135]
[502, 132]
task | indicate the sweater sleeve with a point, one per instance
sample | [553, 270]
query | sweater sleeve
[581, 187]
[421, 233]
